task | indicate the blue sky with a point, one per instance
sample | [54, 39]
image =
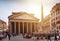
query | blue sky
[30, 6]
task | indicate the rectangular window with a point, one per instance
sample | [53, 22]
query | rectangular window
[59, 27]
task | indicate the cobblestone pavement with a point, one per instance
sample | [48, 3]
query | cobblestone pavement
[20, 38]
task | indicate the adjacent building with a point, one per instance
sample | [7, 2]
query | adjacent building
[3, 25]
[22, 22]
[55, 18]
[51, 23]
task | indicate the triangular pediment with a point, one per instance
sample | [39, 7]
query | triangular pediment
[24, 16]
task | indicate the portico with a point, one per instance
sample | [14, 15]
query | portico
[24, 23]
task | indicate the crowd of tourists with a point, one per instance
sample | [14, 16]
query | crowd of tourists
[30, 36]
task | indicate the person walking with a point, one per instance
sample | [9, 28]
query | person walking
[9, 35]
[56, 37]
[48, 38]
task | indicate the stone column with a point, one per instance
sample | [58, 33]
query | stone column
[27, 27]
[15, 27]
[50, 25]
[10, 27]
[37, 27]
[34, 27]
[31, 27]
[23, 27]
[19, 27]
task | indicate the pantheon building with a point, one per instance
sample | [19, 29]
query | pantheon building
[22, 22]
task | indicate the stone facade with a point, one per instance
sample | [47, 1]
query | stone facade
[3, 25]
[55, 18]
[22, 22]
